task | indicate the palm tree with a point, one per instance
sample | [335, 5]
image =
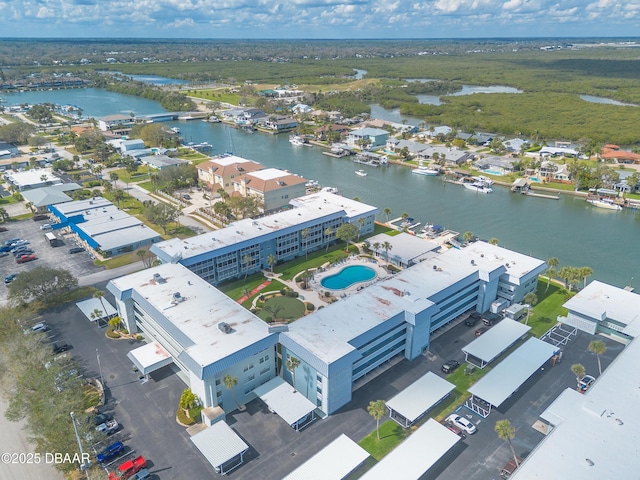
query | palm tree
[467, 236]
[328, 232]
[231, 382]
[506, 431]
[361, 222]
[97, 314]
[377, 410]
[387, 246]
[271, 261]
[305, 277]
[531, 299]
[579, 371]
[99, 294]
[246, 260]
[551, 271]
[494, 241]
[387, 213]
[305, 235]
[118, 195]
[4, 216]
[113, 176]
[376, 246]
[584, 273]
[292, 364]
[598, 347]
[404, 216]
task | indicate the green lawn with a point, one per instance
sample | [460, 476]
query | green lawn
[234, 288]
[140, 175]
[391, 435]
[313, 260]
[545, 314]
[119, 261]
[291, 308]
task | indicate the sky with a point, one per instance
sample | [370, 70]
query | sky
[319, 18]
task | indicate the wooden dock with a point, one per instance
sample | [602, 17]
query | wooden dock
[530, 193]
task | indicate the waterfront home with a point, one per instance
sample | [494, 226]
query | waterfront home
[612, 153]
[475, 138]
[452, 156]
[301, 108]
[160, 162]
[414, 148]
[322, 132]
[243, 116]
[515, 145]
[219, 172]
[278, 123]
[558, 152]
[118, 123]
[373, 137]
[436, 132]
[274, 188]
[554, 172]
[128, 145]
[399, 127]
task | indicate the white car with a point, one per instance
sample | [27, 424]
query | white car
[462, 423]
[46, 226]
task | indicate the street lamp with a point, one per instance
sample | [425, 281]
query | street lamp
[100, 368]
[84, 466]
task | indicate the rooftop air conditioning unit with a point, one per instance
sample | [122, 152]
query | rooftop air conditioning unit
[177, 298]
[224, 327]
[158, 278]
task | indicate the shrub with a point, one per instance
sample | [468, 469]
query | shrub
[284, 290]
[310, 306]
[111, 333]
[268, 319]
[182, 417]
[292, 293]
[327, 294]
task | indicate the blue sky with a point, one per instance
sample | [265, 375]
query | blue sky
[319, 18]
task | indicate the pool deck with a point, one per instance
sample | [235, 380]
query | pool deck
[315, 293]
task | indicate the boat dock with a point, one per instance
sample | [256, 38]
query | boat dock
[529, 193]
[328, 153]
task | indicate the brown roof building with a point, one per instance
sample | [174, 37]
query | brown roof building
[275, 188]
[220, 172]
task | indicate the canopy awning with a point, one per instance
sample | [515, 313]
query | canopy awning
[484, 349]
[498, 385]
[96, 309]
[418, 398]
[293, 407]
[221, 446]
[333, 462]
[150, 357]
[416, 455]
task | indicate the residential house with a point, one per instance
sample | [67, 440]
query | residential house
[118, 123]
[273, 187]
[451, 155]
[301, 108]
[612, 153]
[374, 137]
[128, 145]
[321, 132]
[8, 150]
[220, 172]
[278, 123]
[160, 162]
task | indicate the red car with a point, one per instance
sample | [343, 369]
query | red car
[128, 469]
[25, 258]
[3, 229]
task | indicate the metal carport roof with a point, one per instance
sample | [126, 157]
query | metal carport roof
[293, 407]
[419, 397]
[417, 454]
[87, 307]
[220, 444]
[150, 357]
[513, 371]
[492, 343]
[333, 462]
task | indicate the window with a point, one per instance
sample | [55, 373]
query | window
[251, 377]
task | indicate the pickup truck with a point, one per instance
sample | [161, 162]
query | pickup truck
[128, 469]
[110, 452]
[108, 427]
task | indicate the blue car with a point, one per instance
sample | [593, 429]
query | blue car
[9, 278]
[110, 452]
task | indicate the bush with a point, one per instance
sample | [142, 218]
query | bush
[111, 333]
[268, 319]
[292, 293]
[327, 294]
[310, 306]
[284, 290]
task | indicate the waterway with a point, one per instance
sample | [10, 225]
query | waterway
[570, 229]
[607, 101]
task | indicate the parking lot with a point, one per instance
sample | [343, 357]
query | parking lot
[79, 264]
[146, 409]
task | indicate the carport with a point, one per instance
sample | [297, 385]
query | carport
[221, 446]
[97, 309]
[281, 398]
[150, 357]
[500, 383]
[416, 455]
[484, 349]
[418, 398]
[333, 462]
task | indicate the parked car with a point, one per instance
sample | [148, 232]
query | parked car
[109, 427]
[46, 226]
[60, 347]
[481, 330]
[186, 196]
[76, 250]
[454, 428]
[22, 251]
[462, 423]
[510, 467]
[11, 241]
[10, 278]
[4, 254]
[101, 418]
[450, 366]
[472, 319]
[19, 242]
[585, 383]
[38, 327]
[26, 258]
[110, 452]
[128, 469]
[4, 229]
[40, 217]
[5, 248]
[490, 319]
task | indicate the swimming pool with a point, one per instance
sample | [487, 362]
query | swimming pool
[497, 173]
[535, 179]
[347, 277]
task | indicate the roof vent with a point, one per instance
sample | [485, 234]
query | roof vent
[158, 278]
[435, 267]
[473, 262]
[507, 265]
[589, 462]
[225, 327]
[482, 255]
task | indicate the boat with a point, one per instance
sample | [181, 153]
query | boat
[175, 130]
[479, 187]
[482, 179]
[361, 173]
[312, 184]
[604, 203]
[421, 170]
[296, 140]
[333, 190]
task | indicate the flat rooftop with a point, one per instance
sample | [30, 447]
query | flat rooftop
[601, 301]
[198, 316]
[226, 160]
[595, 435]
[249, 230]
[320, 201]
[32, 177]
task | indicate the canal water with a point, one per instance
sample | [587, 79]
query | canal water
[570, 229]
